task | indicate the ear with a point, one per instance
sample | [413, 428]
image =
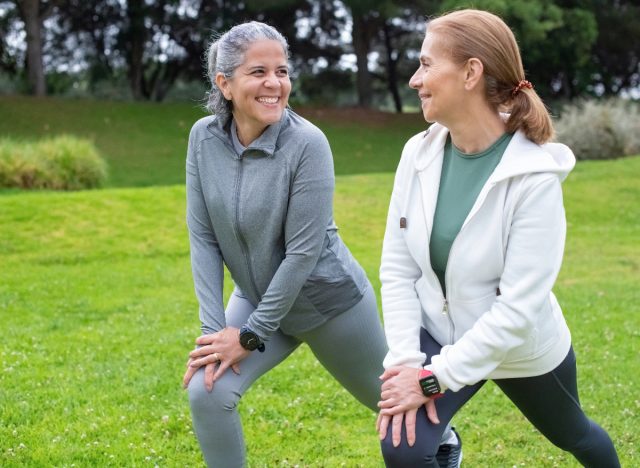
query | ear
[473, 73]
[223, 84]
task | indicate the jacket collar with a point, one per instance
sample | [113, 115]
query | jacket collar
[265, 143]
[522, 156]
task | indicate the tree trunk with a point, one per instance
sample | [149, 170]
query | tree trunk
[30, 11]
[392, 70]
[361, 48]
[136, 37]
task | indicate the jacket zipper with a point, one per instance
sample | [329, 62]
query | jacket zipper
[445, 308]
[236, 228]
[445, 302]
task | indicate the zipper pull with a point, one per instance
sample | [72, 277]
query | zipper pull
[445, 308]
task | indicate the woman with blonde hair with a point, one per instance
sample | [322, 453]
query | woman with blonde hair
[473, 245]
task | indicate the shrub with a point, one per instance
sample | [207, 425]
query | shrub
[59, 163]
[600, 129]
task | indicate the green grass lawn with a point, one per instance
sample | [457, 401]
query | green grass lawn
[98, 314]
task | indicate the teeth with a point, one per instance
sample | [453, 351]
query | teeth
[268, 100]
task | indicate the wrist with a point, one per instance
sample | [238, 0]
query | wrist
[249, 340]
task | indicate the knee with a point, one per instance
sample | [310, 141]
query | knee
[221, 398]
[579, 441]
[404, 456]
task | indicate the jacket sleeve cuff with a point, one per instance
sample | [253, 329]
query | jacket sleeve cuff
[443, 386]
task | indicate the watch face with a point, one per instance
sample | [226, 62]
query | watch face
[249, 340]
[430, 386]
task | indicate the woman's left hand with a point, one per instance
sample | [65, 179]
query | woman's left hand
[401, 398]
[222, 348]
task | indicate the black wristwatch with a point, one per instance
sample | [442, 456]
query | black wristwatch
[429, 384]
[249, 340]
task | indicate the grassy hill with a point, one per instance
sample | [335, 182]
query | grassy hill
[145, 143]
[98, 314]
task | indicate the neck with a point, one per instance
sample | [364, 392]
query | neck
[248, 132]
[478, 130]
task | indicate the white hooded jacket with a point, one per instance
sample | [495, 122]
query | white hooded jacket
[500, 318]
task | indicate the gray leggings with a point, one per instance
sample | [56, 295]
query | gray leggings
[352, 341]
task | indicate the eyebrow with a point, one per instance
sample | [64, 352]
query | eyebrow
[257, 67]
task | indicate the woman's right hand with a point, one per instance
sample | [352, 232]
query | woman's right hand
[209, 370]
[217, 352]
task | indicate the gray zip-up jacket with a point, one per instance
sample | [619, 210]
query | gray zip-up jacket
[267, 214]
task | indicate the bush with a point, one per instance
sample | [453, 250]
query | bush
[600, 129]
[60, 163]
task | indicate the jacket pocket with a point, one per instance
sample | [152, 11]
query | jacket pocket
[337, 282]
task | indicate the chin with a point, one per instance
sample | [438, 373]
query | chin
[428, 118]
[273, 117]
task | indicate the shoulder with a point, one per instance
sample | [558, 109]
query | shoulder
[524, 157]
[199, 130]
[298, 130]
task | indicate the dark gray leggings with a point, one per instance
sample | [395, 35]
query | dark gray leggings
[550, 402]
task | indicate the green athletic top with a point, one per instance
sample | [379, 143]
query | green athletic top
[462, 178]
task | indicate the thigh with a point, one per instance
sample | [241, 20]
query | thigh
[550, 402]
[352, 347]
[447, 405]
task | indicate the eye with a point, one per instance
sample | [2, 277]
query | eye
[257, 72]
[282, 72]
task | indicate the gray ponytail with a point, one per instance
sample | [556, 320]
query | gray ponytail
[226, 53]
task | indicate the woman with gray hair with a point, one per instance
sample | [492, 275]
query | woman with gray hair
[259, 201]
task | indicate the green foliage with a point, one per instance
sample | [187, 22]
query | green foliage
[555, 41]
[58, 163]
[600, 129]
[328, 85]
[98, 314]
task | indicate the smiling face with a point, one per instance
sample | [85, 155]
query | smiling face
[439, 82]
[259, 89]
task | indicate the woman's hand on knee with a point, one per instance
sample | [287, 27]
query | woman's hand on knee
[216, 352]
[222, 349]
[401, 391]
[191, 370]
[409, 417]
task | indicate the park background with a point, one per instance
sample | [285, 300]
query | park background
[97, 310]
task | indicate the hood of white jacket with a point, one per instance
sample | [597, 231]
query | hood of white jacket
[522, 156]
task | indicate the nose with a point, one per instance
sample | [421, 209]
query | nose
[271, 80]
[416, 80]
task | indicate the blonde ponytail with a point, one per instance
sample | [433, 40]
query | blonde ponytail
[529, 114]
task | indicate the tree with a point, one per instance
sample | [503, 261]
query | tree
[33, 13]
[555, 39]
[615, 54]
[366, 22]
[8, 18]
[400, 38]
